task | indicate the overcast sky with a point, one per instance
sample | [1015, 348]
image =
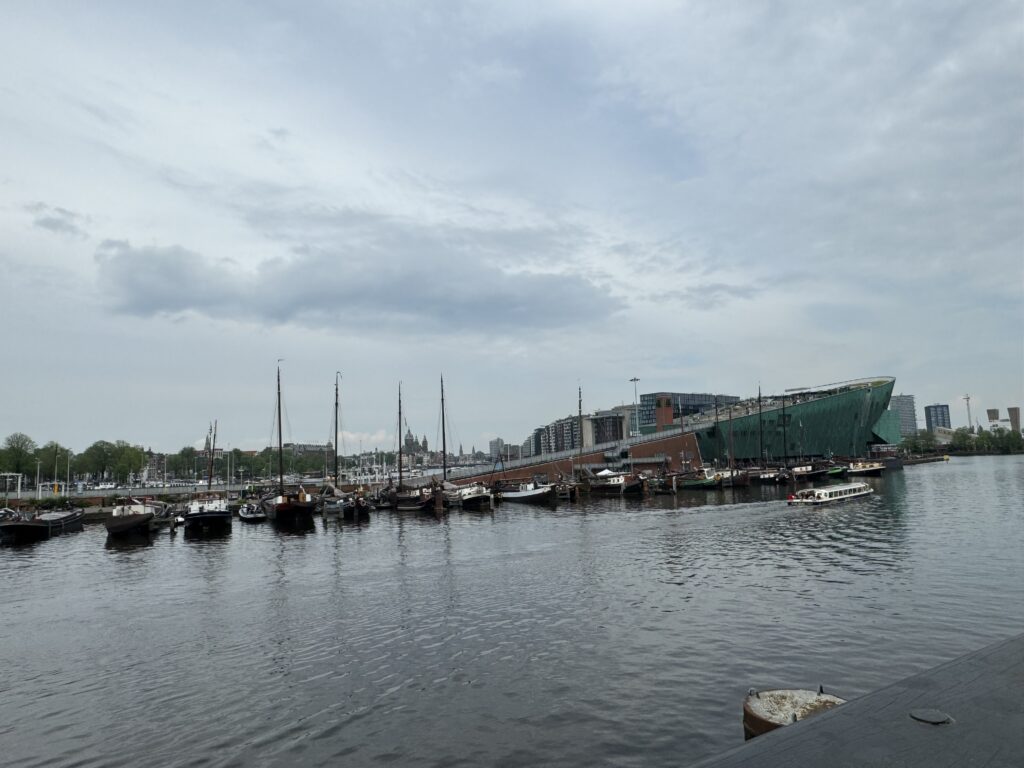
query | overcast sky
[526, 197]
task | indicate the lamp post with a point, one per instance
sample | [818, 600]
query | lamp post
[38, 489]
[636, 414]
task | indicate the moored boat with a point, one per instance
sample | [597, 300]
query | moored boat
[829, 494]
[287, 508]
[765, 711]
[472, 496]
[251, 513]
[705, 478]
[866, 468]
[528, 493]
[609, 483]
[207, 514]
[42, 526]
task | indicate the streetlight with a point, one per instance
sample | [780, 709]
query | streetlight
[636, 415]
[38, 489]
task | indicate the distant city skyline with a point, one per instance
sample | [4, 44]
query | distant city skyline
[528, 198]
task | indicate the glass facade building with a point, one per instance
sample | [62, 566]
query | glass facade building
[936, 416]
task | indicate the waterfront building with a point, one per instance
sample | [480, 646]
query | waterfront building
[1014, 413]
[906, 411]
[299, 448]
[836, 419]
[654, 416]
[497, 448]
[937, 415]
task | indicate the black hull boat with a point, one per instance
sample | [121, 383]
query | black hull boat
[356, 510]
[528, 493]
[129, 525]
[213, 522]
[289, 511]
[41, 527]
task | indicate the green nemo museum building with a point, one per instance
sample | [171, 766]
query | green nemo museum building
[843, 419]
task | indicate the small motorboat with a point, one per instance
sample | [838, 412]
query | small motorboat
[251, 513]
[765, 711]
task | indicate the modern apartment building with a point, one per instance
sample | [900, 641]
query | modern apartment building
[906, 411]
[936, 416]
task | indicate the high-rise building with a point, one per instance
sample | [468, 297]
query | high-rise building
[497, 448]
[1014, 413]
[905, 409]
[992, 413]
[936, 416]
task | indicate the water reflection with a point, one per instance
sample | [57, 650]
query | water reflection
[602, 631]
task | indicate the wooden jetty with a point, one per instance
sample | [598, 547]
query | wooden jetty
[967, 712]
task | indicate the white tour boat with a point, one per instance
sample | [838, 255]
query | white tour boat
[830, 493]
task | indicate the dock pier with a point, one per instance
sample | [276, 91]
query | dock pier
[966, 712]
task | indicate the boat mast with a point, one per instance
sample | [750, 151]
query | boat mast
[732, 451]
[337, 376]
[213, 450]
[280, 446]
[718, 437]
[399, 435]
[760, 429]
[579, 406]
[444, 438]
[785, 441]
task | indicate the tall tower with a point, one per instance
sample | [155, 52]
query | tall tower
[970, 424]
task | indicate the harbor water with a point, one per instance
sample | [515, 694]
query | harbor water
[604, 632]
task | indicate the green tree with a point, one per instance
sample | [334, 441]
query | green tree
[963, 441]
[53, 461]
[96, 460]
[127, 460]
[18, 454]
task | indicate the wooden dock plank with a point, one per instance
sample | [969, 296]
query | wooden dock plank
[982, 692]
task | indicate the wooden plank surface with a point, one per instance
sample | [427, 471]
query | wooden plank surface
[982, 693]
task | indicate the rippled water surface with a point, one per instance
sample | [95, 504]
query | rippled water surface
[605, 632]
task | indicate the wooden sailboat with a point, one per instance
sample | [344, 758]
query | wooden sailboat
[288, 509]
[208, 513]
[472, 496]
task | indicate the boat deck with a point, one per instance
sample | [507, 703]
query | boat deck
[981, 693]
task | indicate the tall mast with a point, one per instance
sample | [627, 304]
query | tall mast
[718, 436]
[785, 441]
[280, 445]
[732, 450]
[579, 411]
[760, 430]
[399, 435]
[213, 450]
[337, 375]
[444, 437]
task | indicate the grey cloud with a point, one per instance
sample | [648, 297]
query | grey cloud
[58, 220]
[343, 288]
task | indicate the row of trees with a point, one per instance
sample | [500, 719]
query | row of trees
[119, 461]
[53, 462]
[984, 441]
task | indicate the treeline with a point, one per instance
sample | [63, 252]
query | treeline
[120, 462]
[996, 441]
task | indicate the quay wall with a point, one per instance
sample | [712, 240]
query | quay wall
[675, 453]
